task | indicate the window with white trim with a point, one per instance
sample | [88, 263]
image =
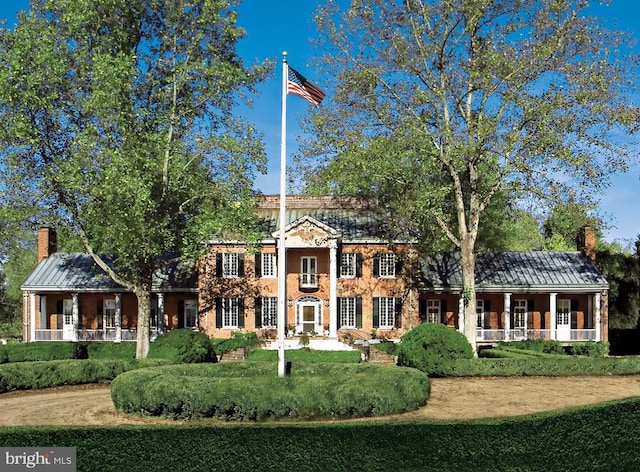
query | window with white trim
[109, 313]
[230, 311]
[67, 311]
[269, 313]
[387, 312]
[433, 311]
[347, 312]
[519, 314]
[386, 264]
[480, 313]
[153, 316]
[230, 264]
[190, 314]
[309, 271]
[348, 265]
[563, 315]
[269, 265]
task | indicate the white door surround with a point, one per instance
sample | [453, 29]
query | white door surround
[309, 315]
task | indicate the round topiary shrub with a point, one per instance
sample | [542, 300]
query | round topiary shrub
[432, 347]
[183, 346]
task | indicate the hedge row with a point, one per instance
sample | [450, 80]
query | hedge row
[586, 348]
[541, 366]
[253, 391]
[305, 355]
[42, 374]
[600, 438]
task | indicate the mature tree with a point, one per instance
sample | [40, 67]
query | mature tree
[485, 96]
[564, 221]
[120, 115]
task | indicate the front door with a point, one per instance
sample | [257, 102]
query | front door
[67, 321]
[563, 321]
[309, 319]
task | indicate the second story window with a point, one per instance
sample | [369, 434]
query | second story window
[269, 268]
[230, 265]
[384, 265]
[350, 265]
[309, 272]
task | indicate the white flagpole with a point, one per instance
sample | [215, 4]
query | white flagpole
[282, 260]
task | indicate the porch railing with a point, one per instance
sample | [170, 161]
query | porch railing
[498, 335]
[107, 334]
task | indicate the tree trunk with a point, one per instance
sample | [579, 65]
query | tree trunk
[144, 316]
[468, 263]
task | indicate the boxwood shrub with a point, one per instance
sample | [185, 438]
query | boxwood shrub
[49, 351]
[42, 374]
[239, 339]
[253, 391]
[430, 347]
[182, 346]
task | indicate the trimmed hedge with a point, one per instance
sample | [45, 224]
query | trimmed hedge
[541, 366]
[49, 351]
[239, 339]
[253, 391]
[182, 346]
[306, 355]
[32, 375]
[431, 347]
[597, 438]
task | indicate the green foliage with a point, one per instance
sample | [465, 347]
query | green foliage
[43, 351]
[622, 271]
[183, 346]
[386, 346]
[590, 349]
[548, 347]
[32, 375]
[107, 350]
[519, 364]
[430, 347]
[307, 355]
[594, 438]
[239, 339]
[253, 391]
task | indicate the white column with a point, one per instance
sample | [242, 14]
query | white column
[507, 315]
[75, 316]
[333, 291]
[461, 314]
[118, 320]
[597, 301]
[43, 311]
[553, 309]
[160, 320]
[32, 317]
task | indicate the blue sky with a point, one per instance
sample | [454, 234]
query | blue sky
[274, 26]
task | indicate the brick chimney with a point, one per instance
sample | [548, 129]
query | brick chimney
[47, 242]
[587, 242]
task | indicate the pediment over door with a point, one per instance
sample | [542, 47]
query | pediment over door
[309, 232]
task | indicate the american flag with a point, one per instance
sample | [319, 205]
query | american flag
[298, 85]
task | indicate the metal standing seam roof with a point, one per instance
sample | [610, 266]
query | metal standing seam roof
[353, 225]
[549, 270]
[79, 272]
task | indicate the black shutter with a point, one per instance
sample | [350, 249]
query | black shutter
[218, 312]
[240, 312]
[258, 264]
[574, 314]
[398, 268]
[376, 312]
[180, 314]
[241, 265]
[443, 312]
[358, 312]
[99, 314]
[376, 265]
[339, 311]
[422, 309]
[487, 314]
[219, 264]
[358, 264]
[258, 311]
[398, 311]
[530, 307]
[59, 307]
